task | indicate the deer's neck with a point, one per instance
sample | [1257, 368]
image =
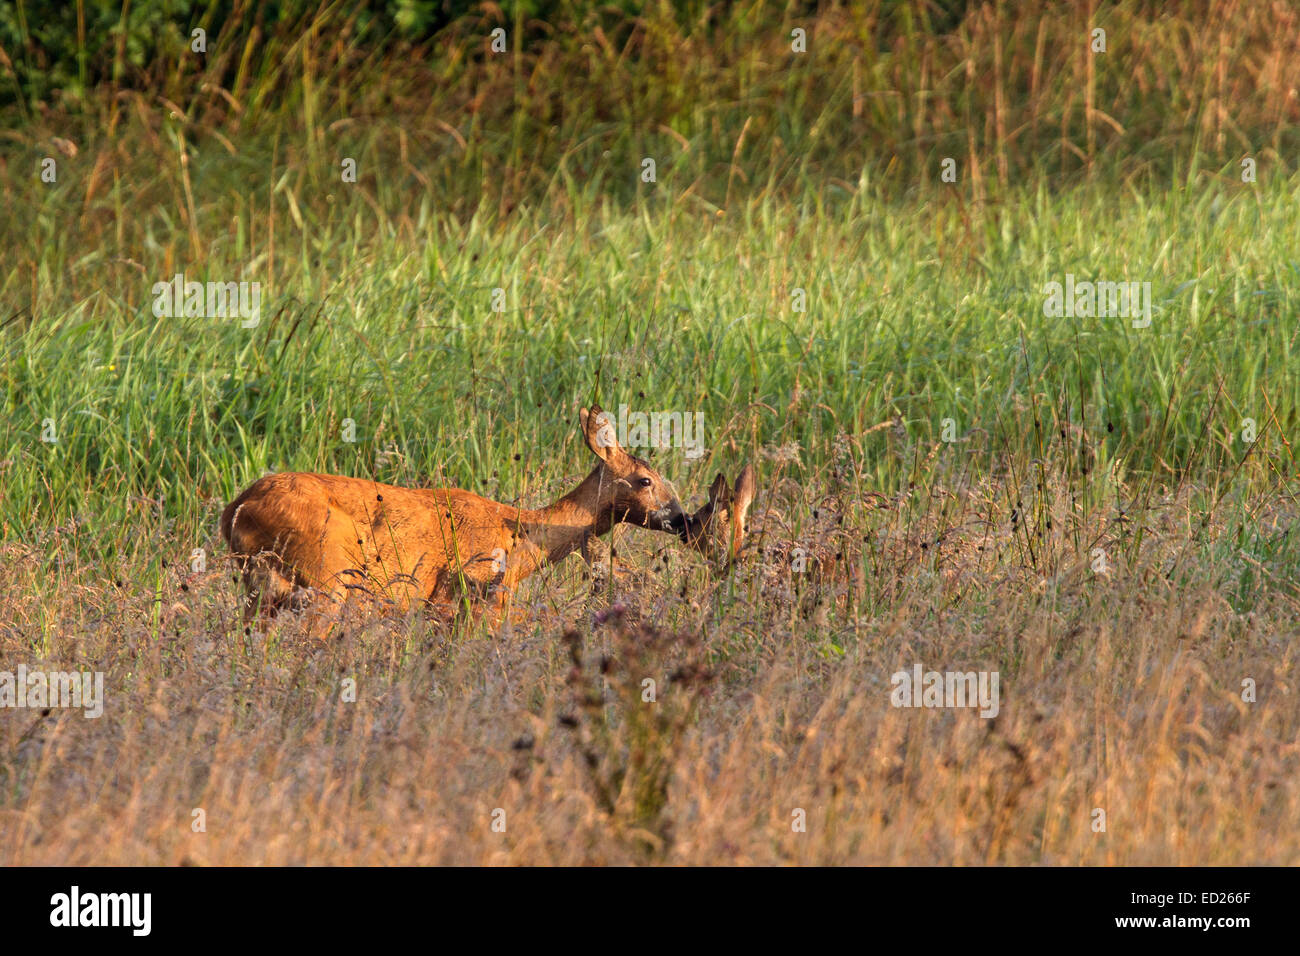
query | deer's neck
[562, 528]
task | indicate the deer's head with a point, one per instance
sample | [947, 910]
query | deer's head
[718, 528]
[628, 488]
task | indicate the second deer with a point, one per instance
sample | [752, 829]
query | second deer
[717, 530]
[722, 531]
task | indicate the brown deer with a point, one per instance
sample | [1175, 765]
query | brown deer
[328, 539]
[721, 530]
[717, 530]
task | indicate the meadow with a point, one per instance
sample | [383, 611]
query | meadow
[1099, 511]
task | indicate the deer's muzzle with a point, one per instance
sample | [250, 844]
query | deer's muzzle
[670, 518]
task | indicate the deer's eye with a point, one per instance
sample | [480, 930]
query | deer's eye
[645, 482]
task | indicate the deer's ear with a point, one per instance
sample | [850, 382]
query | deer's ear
[746, 487]
[719, 492]
[599, 432]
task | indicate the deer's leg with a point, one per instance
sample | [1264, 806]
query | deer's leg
[322, 616]
[327, 605]
[602, 562]
[270, 591]
[469, 614]
[588, 548]
[478, 592]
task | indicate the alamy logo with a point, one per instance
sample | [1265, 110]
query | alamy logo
[655, 430]
[921, 688]
[214, 300]
[102, 909]
[44, 689]
[1099, 300]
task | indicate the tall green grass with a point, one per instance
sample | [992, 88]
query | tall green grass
[776, 171]
[909, 315]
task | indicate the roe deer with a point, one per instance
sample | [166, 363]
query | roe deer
[721, 529]
[717, 530]
[296, 536]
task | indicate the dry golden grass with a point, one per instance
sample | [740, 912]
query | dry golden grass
[1120, 691]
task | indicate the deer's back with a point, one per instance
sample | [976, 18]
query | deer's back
[324, 530]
